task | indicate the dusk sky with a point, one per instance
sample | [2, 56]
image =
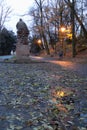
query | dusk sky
[19, 7]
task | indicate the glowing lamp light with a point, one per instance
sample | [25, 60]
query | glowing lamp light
[63, 29]
[39, 41]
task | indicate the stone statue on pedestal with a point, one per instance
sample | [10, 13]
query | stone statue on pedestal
[22, 48]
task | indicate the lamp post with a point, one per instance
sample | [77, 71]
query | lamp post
[63, 30]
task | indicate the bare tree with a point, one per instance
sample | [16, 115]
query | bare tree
[77, 17]
[5, 12]
[40, 6]
[49, 15]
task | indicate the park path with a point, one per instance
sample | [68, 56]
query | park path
[78, 65]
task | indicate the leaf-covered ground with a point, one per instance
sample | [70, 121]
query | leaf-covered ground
[42, 96]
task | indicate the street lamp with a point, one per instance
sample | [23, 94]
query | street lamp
[39, 43]
[62, 36]
[62, 29]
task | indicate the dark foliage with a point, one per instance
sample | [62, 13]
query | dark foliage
[7, 42]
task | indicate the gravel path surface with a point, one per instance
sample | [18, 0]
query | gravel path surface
[37, 95]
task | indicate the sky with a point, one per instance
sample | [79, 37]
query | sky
[19, 7]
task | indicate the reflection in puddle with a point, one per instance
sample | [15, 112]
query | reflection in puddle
[60, 94]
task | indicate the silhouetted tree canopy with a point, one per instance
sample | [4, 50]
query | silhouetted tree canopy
[7, 41]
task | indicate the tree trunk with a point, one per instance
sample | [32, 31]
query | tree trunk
[42, 31]
[78, 19]
[73, 30]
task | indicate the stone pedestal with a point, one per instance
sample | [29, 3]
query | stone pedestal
[22, 53]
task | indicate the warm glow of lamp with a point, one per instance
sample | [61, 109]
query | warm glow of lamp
[39, 41]
[62, 29]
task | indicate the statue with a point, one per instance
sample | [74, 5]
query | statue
[22, 32]
[22, 48]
